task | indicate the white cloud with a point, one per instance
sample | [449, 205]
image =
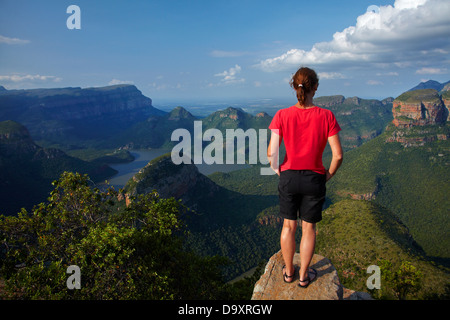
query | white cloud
[388, 74]
[230, 75]
[401, 34]
[29, 77]
[117, 81]
[7, 40]
[431, 71]
[374, 82]
[409, 4]
[164, 86]
[331, 75]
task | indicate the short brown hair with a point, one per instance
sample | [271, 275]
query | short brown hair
[303, 82]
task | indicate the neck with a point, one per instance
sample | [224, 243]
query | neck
[308, 103]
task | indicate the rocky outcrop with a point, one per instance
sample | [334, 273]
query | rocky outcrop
[232, 113]
[446, 100]
[416, 139]
[413, 111]
[262, 115]
[271, 220]
[326, 286]
[353, 100]
[363, 196]
[419, 108]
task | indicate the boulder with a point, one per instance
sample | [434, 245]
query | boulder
[325, 287]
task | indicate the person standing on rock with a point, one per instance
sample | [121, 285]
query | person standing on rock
[305, 129]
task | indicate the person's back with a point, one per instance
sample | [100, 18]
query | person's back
[305, 133]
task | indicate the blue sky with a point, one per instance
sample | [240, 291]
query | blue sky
[198, 50]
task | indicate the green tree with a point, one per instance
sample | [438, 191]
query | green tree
[123, 252]
[404, 281]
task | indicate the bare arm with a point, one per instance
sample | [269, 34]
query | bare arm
[338, 156]
[273, 152]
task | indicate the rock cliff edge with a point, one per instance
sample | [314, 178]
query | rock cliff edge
[325, 287]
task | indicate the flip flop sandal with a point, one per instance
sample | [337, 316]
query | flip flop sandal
[308, 279]
[286, 276]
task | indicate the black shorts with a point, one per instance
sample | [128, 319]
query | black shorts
[302, 192]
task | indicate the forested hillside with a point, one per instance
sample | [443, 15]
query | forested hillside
[355, 234]
[27, 170]
[406, 169]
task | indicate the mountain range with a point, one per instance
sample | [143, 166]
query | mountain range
[432, 84]
[69, 117]
[396, 165]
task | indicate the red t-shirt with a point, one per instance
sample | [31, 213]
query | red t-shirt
[305, 133]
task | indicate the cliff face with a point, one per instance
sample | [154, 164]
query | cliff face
[413, 110]
[89, 113]
[419, 108]
[77, 103]
[92, 103]
[446, 100]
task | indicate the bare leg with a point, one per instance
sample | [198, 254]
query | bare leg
[287, 242]
[307, 246]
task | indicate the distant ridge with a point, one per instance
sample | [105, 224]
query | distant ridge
[73, 116]
[430, 84]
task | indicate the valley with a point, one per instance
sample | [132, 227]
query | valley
[388, 201]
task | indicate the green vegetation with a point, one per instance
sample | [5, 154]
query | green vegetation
[149, 175]
[360, 119]
[247, 181]
[10, 127]
[355, 234]
[102, 156]
[446, 94]
[417, 96]
[406, 280]
[27, 170]
[154, 132]
[410, 181]
[233, 118]
[123, 252]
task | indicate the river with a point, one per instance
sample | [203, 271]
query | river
[127, 170]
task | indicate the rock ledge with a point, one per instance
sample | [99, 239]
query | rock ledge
[326, 286]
